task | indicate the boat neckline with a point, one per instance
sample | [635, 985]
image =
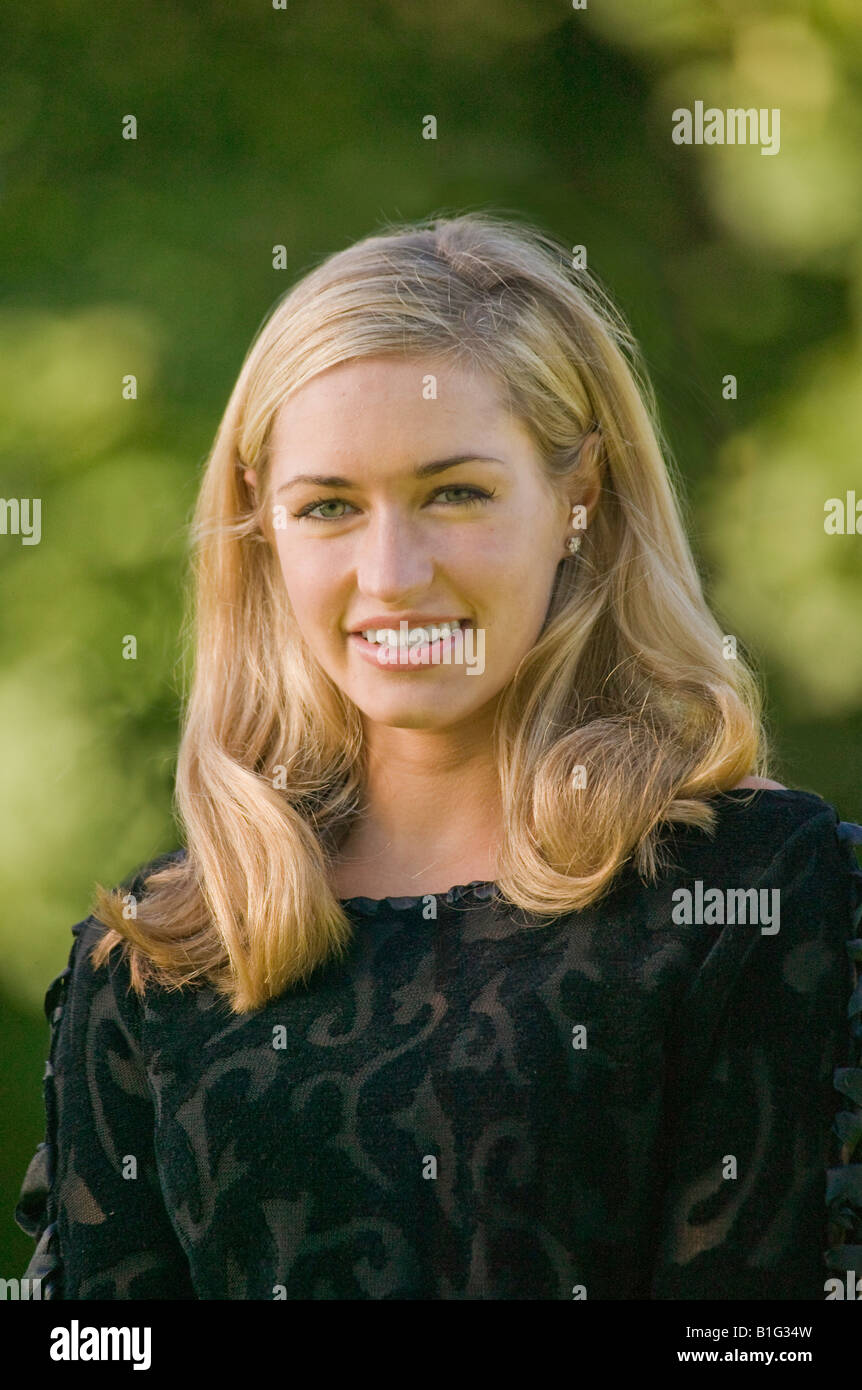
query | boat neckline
[484, 889]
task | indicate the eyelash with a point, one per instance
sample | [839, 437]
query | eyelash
[477, 496]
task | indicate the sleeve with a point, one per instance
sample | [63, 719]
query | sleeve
[91, 1197]
[761, 1196]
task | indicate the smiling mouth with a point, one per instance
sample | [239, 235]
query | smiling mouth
[418, 635]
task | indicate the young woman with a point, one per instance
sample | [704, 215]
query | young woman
[492, 966]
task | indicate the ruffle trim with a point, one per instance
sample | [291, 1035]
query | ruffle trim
[36, 1210]
[844, 1180]
[480, 889]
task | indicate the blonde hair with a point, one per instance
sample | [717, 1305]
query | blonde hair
[627, 679]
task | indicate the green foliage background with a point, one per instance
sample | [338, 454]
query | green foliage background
[259, 126]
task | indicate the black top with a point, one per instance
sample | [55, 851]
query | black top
[621, 1104]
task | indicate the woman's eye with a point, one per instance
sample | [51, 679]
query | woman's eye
[465, 497]
[322, 502]
[469, 495]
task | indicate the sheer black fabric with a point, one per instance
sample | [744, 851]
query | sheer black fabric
[621, 1104]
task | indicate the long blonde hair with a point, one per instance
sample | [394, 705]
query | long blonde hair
[628, 678]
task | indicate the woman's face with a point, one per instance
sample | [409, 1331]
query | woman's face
[367, 541]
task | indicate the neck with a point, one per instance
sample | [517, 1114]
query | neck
[432, 807]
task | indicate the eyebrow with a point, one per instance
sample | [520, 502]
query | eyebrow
[422, 470]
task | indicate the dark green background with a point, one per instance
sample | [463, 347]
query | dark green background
[302, 127]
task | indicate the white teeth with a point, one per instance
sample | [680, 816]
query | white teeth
[416, 636]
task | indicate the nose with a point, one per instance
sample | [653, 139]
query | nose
[394, 561]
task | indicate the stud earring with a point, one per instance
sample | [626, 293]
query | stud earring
[573, 544]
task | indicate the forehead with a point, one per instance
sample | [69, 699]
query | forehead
[398, 403]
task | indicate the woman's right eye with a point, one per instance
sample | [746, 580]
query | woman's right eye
[312, 507]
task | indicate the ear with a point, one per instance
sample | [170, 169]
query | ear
[587, 483]
[250, 476]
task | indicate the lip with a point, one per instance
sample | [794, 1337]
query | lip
[389, 620]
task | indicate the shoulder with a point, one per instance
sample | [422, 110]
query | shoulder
[83, 990]
[760, 782]
[136, 881]
[771, 899]
[769, 834]
[763, 816]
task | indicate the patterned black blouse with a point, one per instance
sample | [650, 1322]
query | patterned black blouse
[658, 1097]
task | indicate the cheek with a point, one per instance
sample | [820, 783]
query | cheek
[306, 583]
[513, 571]
[515, 601]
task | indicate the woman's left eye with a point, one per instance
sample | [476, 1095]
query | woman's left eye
[474, 494]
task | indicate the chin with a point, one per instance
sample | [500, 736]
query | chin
[417, 716]
[427, 709]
